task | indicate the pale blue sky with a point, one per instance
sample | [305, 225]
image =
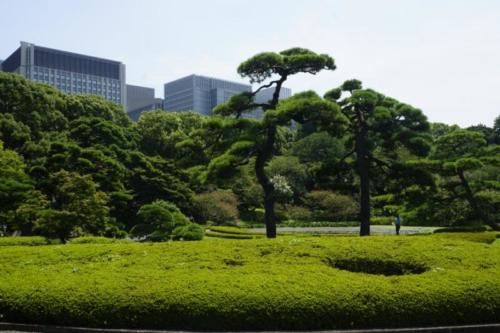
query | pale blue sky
[441, 56]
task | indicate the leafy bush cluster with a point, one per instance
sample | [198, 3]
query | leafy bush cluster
[97, 240]
[291, 283]
[219, 207]
[74, 166]
[23, 241]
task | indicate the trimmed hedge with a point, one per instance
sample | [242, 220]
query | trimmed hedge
[97, 240]
[213, 234]
[479, 237]
[232, 230]
[471, 228]
[288, 283]
[189, 232]
[23, 241]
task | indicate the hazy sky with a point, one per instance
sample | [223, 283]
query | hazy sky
[441, 56]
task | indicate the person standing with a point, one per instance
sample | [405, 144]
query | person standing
[398, 224]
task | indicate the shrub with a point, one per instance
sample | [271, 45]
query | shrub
[330, 206]
[189, 232]
[478, 237]
[290, 283]
[465, 228]
[157, 221]
[23, 241]
[231, 230]
[382, 220]
[299, 213]
[313, 224]
[215, 234]
[97, 240]
[219, 206]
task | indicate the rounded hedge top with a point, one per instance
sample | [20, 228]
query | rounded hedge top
[288, 283]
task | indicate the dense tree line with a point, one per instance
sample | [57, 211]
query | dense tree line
[75, 165]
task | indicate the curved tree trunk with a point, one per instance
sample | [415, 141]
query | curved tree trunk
[265, 154]
[473, 203]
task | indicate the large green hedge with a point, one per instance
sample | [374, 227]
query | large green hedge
[286, 283]
[26, 241]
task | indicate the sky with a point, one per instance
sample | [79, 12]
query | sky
[442, 56]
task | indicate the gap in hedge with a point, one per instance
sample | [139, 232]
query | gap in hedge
[377, 267]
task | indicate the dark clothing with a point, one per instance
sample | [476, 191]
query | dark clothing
[398, 224]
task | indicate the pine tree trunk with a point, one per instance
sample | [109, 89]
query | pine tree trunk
[364, 179]
[473, 203]
[269, 217]
[260, 162]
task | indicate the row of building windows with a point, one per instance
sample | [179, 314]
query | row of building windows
[110, 95]
[64, 75]
[69, 82]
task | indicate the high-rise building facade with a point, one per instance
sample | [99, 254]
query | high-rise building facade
[69, 72]
[138, 97]
[199, 93]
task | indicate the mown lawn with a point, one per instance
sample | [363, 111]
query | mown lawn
[288, 283]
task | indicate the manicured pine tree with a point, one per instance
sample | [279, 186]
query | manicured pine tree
[258, 141]
[379, 125]
[461, 152]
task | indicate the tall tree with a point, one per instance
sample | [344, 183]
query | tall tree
[75, 202]
[458, 154]
[379, 125]
[260, 139]
[15, 186]
[496, 130]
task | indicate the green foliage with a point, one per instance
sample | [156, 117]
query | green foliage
[52, 132]
[496, 131]
[219, 207]
[383, 220]
[288, 284]
[38, 107]
[227, 235]
[261, 139]
[157, 221]
[299, 213]
[23, 241]
[308, 107]
[94, 106]
[15, 185]
[382, 133]
[471, 235]
[77, 206]
[318, 147]
[465, 166]
[189, 232]
[97, 240]
[296, 60]
[472, 228]
[230, 230]
[330, 206]
[174, 135]
[292, 170]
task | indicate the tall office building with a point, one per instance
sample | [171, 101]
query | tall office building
[200, 93]
[139, 97]
[69, 72]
